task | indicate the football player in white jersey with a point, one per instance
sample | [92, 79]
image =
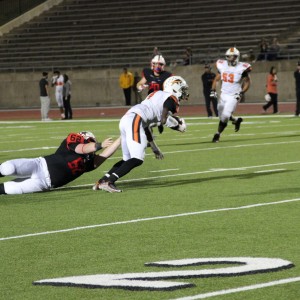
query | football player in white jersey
[58, 82]
[158, 107]
[235, 79]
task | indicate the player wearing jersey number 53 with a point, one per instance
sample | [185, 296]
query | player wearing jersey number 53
[75, 156]
[158, 107]
[235, 79]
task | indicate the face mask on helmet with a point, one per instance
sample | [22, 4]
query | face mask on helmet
[177, 86]
[232, 56]
[88, 136]
[158, 63]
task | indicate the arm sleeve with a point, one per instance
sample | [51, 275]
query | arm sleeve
[171, 105]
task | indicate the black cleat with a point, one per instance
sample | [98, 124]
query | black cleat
[216, 138]
[237, 124]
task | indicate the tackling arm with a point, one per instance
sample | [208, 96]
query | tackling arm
[108, 152]
[92, 147]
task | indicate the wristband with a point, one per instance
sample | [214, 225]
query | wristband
[98, 146]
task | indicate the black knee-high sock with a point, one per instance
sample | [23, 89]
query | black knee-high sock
[125, 168]
[115, 167]
[2, 190]
[222, 126]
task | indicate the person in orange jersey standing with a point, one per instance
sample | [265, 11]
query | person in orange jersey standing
[272, 83]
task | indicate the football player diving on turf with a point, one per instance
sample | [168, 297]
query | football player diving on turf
[75, 156]
[158, 107]
[235, 79]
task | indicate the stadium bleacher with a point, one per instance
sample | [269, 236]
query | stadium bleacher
[91, 33]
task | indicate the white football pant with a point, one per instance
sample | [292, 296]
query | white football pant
[131, 148]
[226, 106]
[31, 174]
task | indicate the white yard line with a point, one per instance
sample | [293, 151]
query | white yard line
[219, 147]
[151, 219]
[241, 289]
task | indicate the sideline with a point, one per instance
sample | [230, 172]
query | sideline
[150, 219]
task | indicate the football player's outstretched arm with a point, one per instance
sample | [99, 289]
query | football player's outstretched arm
[106, 153]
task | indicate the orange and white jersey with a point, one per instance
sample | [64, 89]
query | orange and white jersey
[151, 108]
[231, 76]
[59, 83]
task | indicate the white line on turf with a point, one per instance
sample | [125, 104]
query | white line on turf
[166, 170]
[179, 151]
[241, 289]
[150, 219]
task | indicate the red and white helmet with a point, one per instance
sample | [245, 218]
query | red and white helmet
[177, 86]
[158, 63]
[232, 56]
[88, 136]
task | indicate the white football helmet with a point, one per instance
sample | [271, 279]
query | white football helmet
[177, 86]
[88, 136]
[232, 56]
[158, 63]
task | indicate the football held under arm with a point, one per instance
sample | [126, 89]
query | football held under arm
[173, 122]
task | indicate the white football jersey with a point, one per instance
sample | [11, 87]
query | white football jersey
[59, 82]
[231, 76]
[151, 108]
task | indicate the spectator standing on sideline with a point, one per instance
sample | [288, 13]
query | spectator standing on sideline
[272, 82]
[58, 82]
[207, 79]
[235, 82]
[137, 94]
[126, 81]
[44, 97]
[67, 97]
[74, 157]
[159, 106]
[297, 79]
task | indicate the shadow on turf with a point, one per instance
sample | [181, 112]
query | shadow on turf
[154, 183]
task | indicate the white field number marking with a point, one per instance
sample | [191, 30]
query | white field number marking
[153, 280]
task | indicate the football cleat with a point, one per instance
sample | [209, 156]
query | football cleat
[216, 138]
[237, 124]
[108, 187]
[96, 186]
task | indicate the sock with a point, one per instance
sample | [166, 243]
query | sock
[222, 126]
[125, 168]
[2, 190]
[114, 168]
